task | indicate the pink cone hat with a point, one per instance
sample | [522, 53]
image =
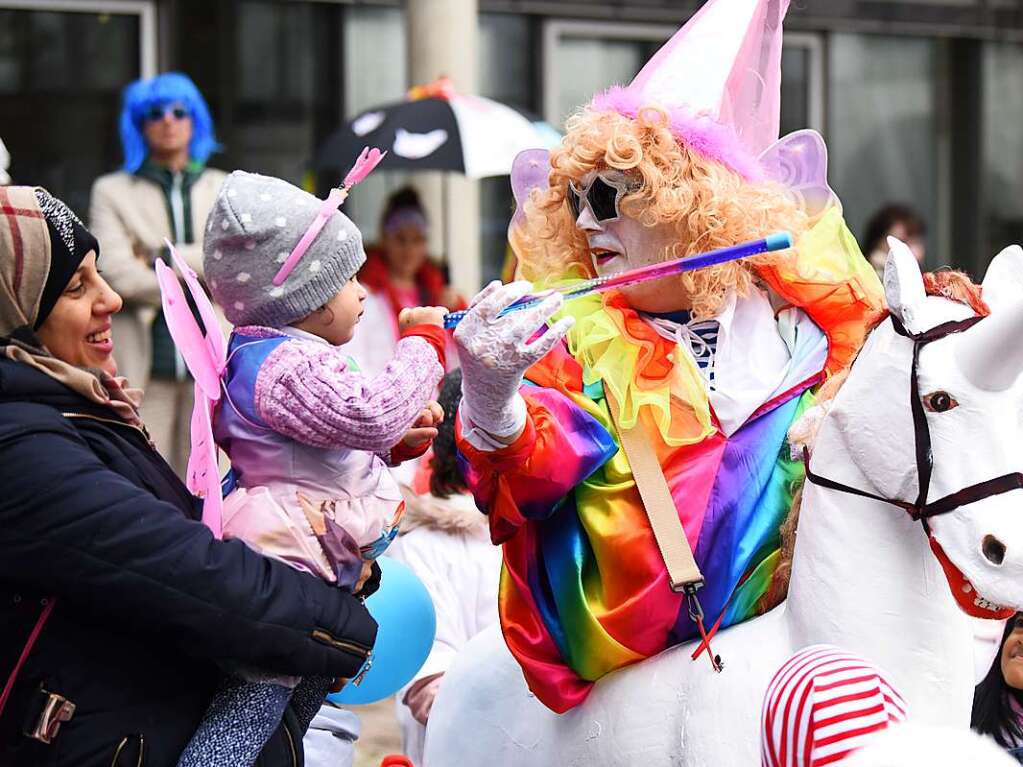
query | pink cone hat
[719, 78]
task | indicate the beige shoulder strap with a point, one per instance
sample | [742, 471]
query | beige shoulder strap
[660, 507]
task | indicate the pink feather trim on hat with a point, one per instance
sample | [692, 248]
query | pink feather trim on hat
[700, 133]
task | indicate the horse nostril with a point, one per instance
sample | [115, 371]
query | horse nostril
[994, 549]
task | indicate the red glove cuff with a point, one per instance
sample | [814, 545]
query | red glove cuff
[402, 452]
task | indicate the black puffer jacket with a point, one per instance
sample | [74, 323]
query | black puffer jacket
[146, 599]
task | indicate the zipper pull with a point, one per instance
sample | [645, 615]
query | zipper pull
[365, 670]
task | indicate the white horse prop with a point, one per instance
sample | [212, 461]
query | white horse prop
[929, 421]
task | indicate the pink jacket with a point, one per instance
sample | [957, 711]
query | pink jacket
[309, 436]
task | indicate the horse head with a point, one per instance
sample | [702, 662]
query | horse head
[931, 419]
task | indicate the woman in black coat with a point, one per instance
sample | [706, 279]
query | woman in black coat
[116, 604]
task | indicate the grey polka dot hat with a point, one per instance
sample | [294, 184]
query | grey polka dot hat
[255, 224]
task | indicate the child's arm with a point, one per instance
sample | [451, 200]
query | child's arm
[314, 398]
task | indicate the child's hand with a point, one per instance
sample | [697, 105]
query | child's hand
[421, 315]
[425, 427]
[367, 571]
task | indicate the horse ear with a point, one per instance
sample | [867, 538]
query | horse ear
[903, 284]
[1003, 282]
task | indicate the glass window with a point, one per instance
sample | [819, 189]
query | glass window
[795, 89]
[375, 71]
[1003, 145]
[588, 65]
[286, 91]
[507, 60]
[882, 126]
[66, 70]
[507, 75]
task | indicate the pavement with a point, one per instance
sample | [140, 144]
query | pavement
[380, 733]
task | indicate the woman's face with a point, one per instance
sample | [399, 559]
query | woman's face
[622, 244]
[1012, 655]
[335, 322]
[405, 247]
[78, 329]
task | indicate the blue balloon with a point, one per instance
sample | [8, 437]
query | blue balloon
[407, 624]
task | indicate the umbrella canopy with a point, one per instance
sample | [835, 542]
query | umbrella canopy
[472, 135]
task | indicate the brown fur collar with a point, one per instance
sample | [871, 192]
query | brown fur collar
[456, 514]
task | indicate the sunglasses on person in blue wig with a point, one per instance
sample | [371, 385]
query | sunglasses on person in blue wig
[158, 112]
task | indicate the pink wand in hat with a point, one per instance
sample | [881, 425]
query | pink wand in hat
[368, 160]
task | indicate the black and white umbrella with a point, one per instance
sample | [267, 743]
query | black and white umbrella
[475, 136]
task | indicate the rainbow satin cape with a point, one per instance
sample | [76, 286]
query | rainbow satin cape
[584, 590]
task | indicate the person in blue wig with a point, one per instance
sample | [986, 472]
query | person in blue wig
[163, 191]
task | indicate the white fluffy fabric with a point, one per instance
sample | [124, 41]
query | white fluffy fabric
[911, 744]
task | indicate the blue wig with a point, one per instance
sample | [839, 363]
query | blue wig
[170, 88]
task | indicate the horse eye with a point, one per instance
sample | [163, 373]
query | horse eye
[939, 401]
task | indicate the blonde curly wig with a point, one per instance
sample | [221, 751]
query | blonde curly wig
[710, 205]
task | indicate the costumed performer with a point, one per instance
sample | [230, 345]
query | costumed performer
[713, 365]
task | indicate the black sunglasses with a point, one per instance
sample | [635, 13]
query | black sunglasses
[604, 197]
[155, 114]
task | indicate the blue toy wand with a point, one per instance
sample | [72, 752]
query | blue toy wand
[776, 241]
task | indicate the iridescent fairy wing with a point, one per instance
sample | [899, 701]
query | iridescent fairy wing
[799, 161]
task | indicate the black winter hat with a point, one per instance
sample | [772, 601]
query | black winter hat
[70, 242]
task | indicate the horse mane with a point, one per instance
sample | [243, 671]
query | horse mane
[946, 283]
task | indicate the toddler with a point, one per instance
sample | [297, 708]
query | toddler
[308, 436]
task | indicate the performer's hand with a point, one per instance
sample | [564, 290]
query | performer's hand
[496, 351]
[421, 315]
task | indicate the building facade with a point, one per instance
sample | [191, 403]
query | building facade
[921, 101]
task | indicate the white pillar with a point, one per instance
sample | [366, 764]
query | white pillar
[443, 42]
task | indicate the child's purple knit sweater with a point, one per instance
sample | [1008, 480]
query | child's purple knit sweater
[308, 436]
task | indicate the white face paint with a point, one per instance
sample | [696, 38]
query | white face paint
[625, 243]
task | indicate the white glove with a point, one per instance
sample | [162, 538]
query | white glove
[496, 351]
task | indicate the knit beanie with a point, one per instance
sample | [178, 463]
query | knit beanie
[255, 224]
[70, 243]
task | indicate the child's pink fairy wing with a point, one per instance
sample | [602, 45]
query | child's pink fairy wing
[198, 355]
[214, 335]
[202, 476]
[203, 469]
